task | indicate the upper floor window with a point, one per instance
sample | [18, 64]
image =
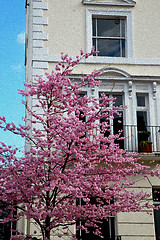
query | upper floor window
[109, 36]
[110, 32]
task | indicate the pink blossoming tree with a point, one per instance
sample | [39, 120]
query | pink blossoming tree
[68, 158]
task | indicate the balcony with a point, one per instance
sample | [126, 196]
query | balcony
[134, 139]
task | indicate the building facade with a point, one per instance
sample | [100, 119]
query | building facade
[126, 34]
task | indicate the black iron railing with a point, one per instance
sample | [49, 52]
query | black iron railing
[141, 140]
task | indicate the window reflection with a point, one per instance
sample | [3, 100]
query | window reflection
[118, 101]
[141, 101]
[142, 120]
[108, 27]
[117, 122]
[109, 37]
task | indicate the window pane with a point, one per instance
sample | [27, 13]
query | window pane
[81, 115]
[123, 48]
[118, 100]
[94, 26]
[107, 228]
[156, 195]
[101, 101]
[118, 125]
[108, 27]
[142, 120]
[123, 27]
[110, 37]
[5, 231]
[94, 44]
[106, 133]
[117, 122]
[156, 200]
[141, 101]
[157, 223]
[141, 127]
[5, 228]
[108, 47]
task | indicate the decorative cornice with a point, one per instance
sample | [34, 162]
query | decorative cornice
[122, 3]
[130, 89]
[154, 88]
[116, 71]
[130, 79]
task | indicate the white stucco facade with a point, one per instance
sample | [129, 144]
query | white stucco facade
[55, 26]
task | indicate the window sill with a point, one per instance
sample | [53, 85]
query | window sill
[102, 60]
[122, 60]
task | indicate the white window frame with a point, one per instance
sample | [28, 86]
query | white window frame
[90, 13]
[143, 108]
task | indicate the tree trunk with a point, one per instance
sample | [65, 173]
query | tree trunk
[47, 234]
[47, 230]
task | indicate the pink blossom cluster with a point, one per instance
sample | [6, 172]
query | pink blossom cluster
[68, 158]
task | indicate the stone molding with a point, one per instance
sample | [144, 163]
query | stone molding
[122, 3]
[38, 37]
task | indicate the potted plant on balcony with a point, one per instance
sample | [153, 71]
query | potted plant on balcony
[145, 145]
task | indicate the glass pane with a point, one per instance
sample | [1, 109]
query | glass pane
[107, 226]
[141, 101]
[123, 27]
[157, 223]
[108, 47]
[142, 120]
[94, 26]
[156, 200]
[112, 219]
[118, 125]
[118, 100]
[101, 101]
[81, 115]
[94, 44]
[156, 195]
[106, 133]
[108, 27]
[5, 231]
[118, 122]
[123, 48]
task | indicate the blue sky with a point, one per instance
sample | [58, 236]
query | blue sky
[12, 69]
